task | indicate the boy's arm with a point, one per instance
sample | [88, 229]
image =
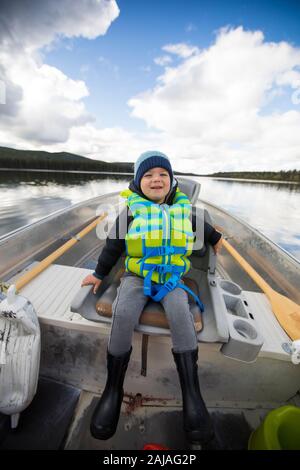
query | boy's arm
[211, 235]
[108, 257]
[114, 246]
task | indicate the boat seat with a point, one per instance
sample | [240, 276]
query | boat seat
[153, 319]
[190, 188]
[153, 313]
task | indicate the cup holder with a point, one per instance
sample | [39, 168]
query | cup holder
[235, 306]
[244, 342]
[244, 339]
[230, 287]
[245, 330]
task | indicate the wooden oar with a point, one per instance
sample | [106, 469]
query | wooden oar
[56, 254]
[286, 311]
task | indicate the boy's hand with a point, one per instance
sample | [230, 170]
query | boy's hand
[91, 280]
[217, 247]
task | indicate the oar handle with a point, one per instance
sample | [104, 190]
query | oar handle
[56, 254]
[247, 267]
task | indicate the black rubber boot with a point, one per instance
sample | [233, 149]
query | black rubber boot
[107, 412]
[197, 422]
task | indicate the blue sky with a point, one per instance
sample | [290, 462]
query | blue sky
[120, 64]
[104, 87]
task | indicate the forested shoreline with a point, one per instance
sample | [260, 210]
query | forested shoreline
[290, 175]
[63, 161]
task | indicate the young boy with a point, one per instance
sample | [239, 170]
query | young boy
[158, 243]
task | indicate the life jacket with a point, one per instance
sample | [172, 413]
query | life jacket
[159, 242]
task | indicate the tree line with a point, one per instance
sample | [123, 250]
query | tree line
[63, 161]
[289, 175]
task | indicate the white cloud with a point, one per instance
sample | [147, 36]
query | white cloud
[49, 104]
[33, 24]
[212, 105]
[108, 144]
[44, 108]
[163, 60]
[291, 77]
[42, 103]
[182, 50]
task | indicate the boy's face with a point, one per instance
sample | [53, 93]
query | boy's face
[155, 184]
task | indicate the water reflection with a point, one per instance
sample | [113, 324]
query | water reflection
[280, 186]
[272, 208]
[29, 196]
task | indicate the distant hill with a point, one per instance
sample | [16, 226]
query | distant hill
[290, 175]
[63, 161]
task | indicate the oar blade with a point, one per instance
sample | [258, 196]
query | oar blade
[287, 313]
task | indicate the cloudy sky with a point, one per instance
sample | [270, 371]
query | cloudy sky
[214, 84]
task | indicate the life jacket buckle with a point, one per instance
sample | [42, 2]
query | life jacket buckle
[171, 284]
[164, 268]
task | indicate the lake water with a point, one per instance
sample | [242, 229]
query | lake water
[272, 208]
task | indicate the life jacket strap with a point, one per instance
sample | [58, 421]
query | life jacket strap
[158, 291]
[196, 297]
[164, 268]
[162, 251]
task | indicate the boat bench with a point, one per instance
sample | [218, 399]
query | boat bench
[211, 327]
[153, 313]
[153, 321]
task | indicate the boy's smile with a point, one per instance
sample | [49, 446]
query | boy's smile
[155, 184]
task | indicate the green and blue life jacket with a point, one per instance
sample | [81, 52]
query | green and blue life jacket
[158, 243]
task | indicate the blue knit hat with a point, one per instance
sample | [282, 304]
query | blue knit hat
[148, 160]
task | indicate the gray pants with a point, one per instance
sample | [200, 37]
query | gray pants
[128, 306]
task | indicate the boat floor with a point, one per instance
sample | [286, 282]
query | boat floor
[59, 418]
[44, 424]
[139, 425]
